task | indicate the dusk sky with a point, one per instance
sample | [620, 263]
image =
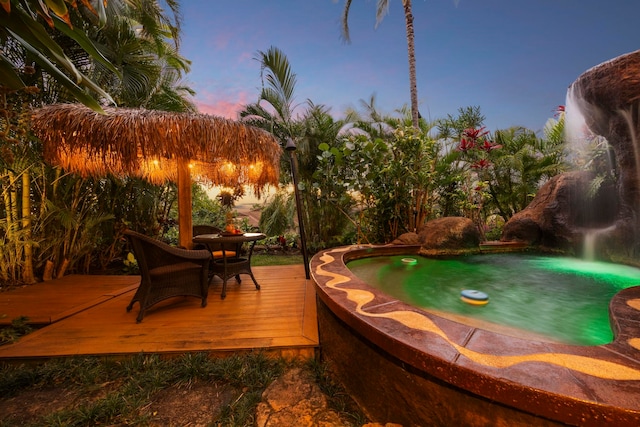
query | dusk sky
[513, 58]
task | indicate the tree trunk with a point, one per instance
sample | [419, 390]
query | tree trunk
[185, 220]
[62, 268]
[12, 209]
[27, 268]
[48, 271]
[11, 252]
[4, 250]
[411, 51]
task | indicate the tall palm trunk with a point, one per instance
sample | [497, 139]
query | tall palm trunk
[411, 51]
[382, 7]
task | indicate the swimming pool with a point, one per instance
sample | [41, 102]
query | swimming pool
[411, 366]
[552, 298]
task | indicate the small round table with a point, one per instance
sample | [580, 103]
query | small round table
[229, 266]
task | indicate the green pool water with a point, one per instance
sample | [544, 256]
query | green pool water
[564, 299]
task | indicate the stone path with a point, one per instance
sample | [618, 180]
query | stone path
[295, 399]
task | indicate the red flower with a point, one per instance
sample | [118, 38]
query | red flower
[466, 144]
[475, 133]
[558, 111]
[489, 145]
[481, 164]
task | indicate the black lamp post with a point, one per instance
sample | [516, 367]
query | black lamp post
[291, 148]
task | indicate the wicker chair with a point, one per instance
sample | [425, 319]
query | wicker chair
[167, 272]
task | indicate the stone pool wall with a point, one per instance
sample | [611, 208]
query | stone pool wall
[407, 366]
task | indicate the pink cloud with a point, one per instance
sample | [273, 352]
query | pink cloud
[245, 57]
[221, 40]
[225, 105]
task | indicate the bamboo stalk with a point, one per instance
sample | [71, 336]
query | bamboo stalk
[48, 271]
[4, 248]
[11, 249]
[27, 267]
[62, 268]
[9, 204]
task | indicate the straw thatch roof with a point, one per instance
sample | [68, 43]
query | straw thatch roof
[149, 144]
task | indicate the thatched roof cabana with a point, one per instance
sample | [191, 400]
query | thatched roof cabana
[158, 146]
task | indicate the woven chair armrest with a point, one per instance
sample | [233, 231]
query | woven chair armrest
[170, 254]
[189, 254]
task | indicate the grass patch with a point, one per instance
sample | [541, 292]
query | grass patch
[18, 328]
[149, 390]
[337, 397]
[270, 259]
[120, 392]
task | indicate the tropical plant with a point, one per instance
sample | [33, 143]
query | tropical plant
[324, 200]
[18, 168]
[382, 8]
[131, 203]
[141, 40]
[208, 211]
[53, 222]
[390, 182]
[475, 148]
[71, 224]
[24, 40]
[19, 327]
[275, 106]
[450, 173]
[523, 163]
[496, 174]
[369, 120]
[277, 216]
[452, 127]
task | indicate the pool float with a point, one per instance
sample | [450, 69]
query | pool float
[471, 296]
[409, 261]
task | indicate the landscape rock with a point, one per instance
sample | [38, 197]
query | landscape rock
[606, 98]
[295, 399]
[410, 238]
[449, 233]
[561, 212]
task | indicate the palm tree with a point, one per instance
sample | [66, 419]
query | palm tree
[370, 120]
[25, 41]
[143, 69]
[274, 112]
[142, 43]
[382, 8]
[278, 95]
[520, 167]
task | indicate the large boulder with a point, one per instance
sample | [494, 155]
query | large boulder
[606, 97]
[409, 238]
[562, 212]
[449, 233]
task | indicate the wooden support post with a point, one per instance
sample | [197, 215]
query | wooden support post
[185, 221]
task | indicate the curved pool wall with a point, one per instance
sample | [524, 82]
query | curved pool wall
[404, 365]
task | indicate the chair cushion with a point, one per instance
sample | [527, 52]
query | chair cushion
[218, 254]
[174, 268]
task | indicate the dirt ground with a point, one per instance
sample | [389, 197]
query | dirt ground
[192, 405]
[293, 399]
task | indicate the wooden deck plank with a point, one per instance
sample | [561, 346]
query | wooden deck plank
[280, 316]
[50, 301]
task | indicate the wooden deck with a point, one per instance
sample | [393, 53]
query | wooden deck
[86, 315]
